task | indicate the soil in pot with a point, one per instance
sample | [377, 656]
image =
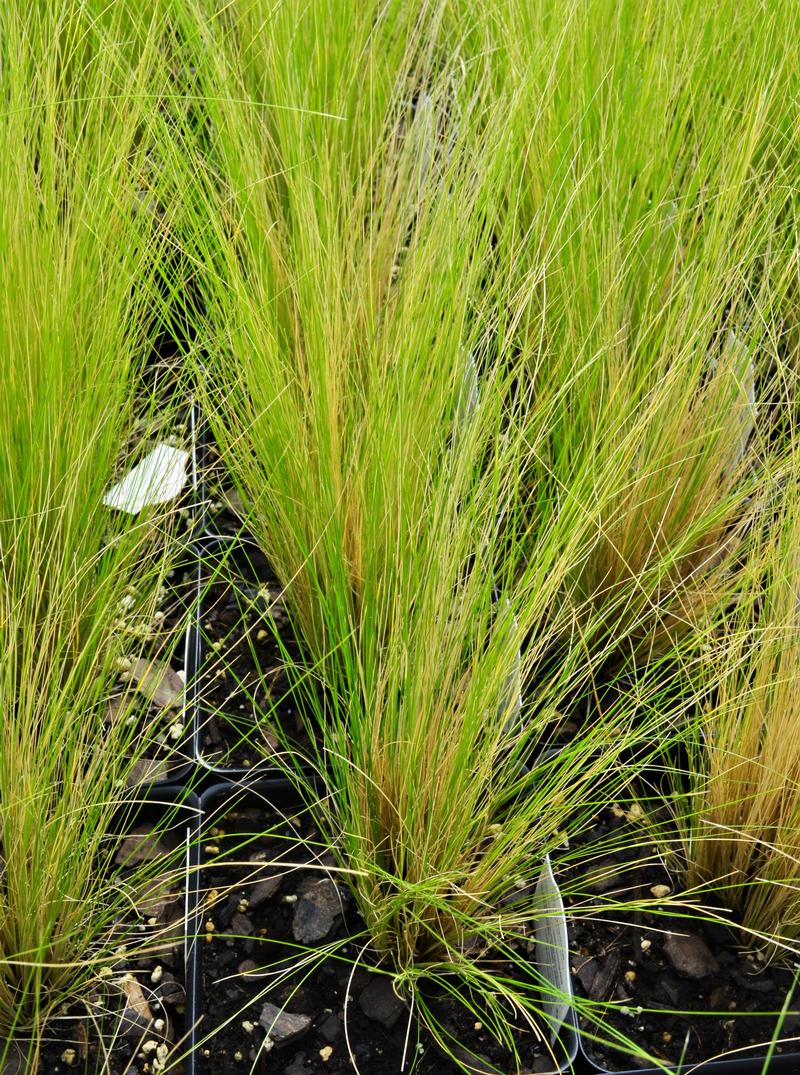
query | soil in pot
[151, 689]
[133, 1020]
[271, 900]
[680, 987]
[245, 704]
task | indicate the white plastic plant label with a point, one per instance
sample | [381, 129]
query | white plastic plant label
[552, 948]
[158, 478]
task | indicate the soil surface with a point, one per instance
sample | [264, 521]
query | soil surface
[246, 710]
[271, 1013]
[652, 964]
[150, 688]
[133, 1020]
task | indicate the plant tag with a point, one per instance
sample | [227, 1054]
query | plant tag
[159, 478]
[552, 949]
[467, 393]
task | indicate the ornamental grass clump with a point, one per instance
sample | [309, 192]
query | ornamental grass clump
[347, 289]
[80, 582]
[338, 235]
[657, 190]
[739, 805]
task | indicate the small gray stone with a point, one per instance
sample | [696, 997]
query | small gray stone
[241, 925]
[689, 955]
[606, 976]
[603, 877]
[263, 890]
[720, 998]
[147, 770]
[281, 1026]
[136, 1018]
[331, 1029]
[586, 972]
[142, 845]
[316, 912]
[380, 1002]
[161, 904]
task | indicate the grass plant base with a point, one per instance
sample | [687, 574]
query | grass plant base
[138, 1012]
[263, 900]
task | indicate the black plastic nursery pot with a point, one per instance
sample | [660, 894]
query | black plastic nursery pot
[677, 984]
[282, 985]
[142, 1020]
[755, 1060]
[239, 689]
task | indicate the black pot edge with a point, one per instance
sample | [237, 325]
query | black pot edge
[226, 793]
[735, 1065]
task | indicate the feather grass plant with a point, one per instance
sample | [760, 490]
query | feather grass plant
[740, 814]
[79, 259]
[606, 232]
[345, 293]
[659, 165]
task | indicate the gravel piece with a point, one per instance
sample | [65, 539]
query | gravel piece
[264, 890]
[380, 1002]
[142, 845]
[316, 912]
[241, 925]
[689, 955]
[283, 1027]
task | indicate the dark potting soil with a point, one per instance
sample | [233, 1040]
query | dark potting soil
[152, 692]
[271, 1010]
[244, 694]
[133, 1021]
[681, 987]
